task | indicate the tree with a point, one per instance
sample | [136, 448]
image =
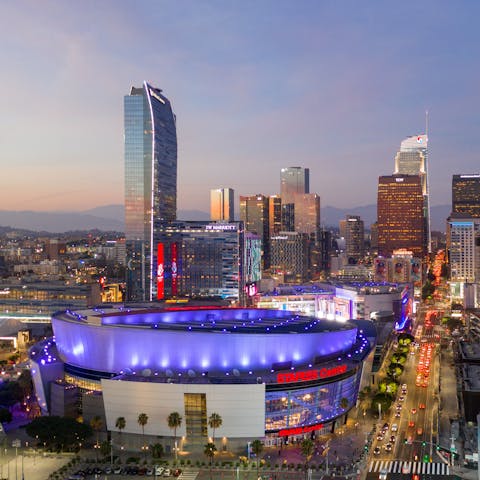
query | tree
[257, 448]
[214, 421]
[59, 432]
[344, 403]
[174, 421]
[209, 452]
[97, 424]
[142, 421]
[120, 424]
[307, 448]
[157, 450]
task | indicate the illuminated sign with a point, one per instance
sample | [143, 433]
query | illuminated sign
[399, 180]
[160, 274]
[309, 375]
[299, 430]
[221, 227]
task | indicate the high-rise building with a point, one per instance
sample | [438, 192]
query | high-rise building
[307, 213]
[254, 213]
[221, 204]
[150, 182]
[411, 159]
[204, 259]
[466, 194]
[293, 181]
[463, 234]
[275, 214]
[290, 256]
[401, 223]
[354, 237]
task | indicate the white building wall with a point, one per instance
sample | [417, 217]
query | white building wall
[242, 407]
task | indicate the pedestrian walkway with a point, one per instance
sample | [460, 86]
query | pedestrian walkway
[396, 466]
[188, 475]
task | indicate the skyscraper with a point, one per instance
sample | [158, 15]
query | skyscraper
[412, 160]
[293, 180]
[466, 194]
[400, 217]
[307, 213]
[354, 237]
[221, 204]
[150, 182]
[463, 233]
[254, 213]
[275, 214]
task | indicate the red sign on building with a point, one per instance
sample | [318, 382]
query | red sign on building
[309, 375]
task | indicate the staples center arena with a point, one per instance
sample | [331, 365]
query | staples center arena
[268, 373]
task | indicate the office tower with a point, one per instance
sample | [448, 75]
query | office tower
[374, 238]
[326, 249]
[275, 214]
[221, 204]
[293, 180]
[150, 181]
[290, 256]
[463, 234]
[354, 237]
[204, 259]
[412, 160]
[466, 194]
[307, 213]
[254, 213]
[400, 219]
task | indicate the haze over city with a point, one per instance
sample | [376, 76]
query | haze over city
[256, 86]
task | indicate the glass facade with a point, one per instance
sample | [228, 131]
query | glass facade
[466, 194]
[150, 181]
[196, 417]
[200, 258]
[310, 405]
[412, 160]
[293, 181]
[401, 223]
[254, 213]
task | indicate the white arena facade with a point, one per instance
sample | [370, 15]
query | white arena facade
[269, 374]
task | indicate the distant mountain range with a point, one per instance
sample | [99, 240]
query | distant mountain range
[111, 218]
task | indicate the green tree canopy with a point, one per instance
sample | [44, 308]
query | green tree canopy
[214, 421]
[59, 432]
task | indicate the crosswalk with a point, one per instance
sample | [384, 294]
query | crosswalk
[188, 475]
[397, 466]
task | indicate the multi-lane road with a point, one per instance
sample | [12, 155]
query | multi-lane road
[408, 434]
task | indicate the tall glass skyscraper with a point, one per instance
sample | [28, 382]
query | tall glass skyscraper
[293, 181]
[466, 194]
[412, 160]
[400, 215]
[221, 204]
[150, 182]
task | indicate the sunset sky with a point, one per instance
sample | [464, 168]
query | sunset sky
[256, 85]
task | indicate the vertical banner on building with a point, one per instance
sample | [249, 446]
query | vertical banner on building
[174, 251]
[380, 270]
[160, 272]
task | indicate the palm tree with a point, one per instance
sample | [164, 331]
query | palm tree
[142, 421]
[214, 421]
[174, 421]
[97, 424]
[120, 424]
[209, 451]
[344, 403]
[257, 447]
[307, 448]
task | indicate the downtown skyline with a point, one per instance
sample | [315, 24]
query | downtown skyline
[255, 87]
